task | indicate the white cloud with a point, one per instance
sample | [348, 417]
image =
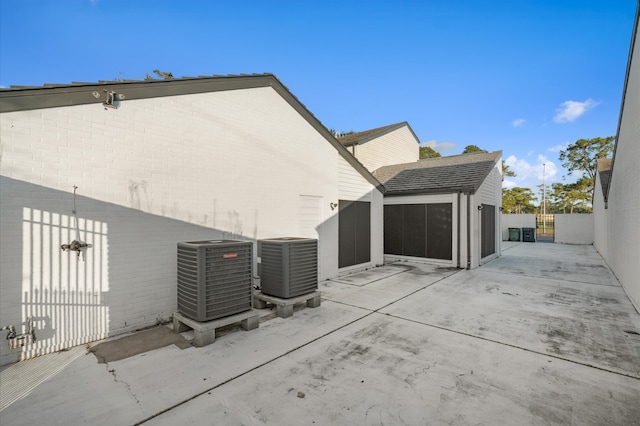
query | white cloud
[546, 169]
[508, 184]
[518, 122]
[521, 168]
[559, 148]
[442, 146]
[530, 175]
[570, 111]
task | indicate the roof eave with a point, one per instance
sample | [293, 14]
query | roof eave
[386, 130]
[32, 98]
[451, 190]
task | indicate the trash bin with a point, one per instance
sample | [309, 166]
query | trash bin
[514, 234]
[529, 235]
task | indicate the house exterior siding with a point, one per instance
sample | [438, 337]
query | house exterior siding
[424, 183]
[235, 164]
[353, 187]
[490, 192]
[399, 146]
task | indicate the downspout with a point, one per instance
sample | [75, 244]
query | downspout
[468, 230]
[458, 254]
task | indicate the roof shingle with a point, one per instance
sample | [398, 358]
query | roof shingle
[367, 135]
[456, 173]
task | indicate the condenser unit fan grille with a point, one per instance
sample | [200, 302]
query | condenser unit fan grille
[288, 266]
[214, 279]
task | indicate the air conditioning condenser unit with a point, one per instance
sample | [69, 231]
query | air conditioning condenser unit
[214, 278]
[288, 266]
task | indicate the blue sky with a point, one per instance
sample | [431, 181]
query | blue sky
[525, 77]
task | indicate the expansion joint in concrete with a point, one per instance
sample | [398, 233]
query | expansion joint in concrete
[631, 376]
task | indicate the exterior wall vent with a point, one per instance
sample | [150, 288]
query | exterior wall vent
[214, 278]
[288, 266]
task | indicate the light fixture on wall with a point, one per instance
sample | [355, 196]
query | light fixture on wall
[333, 205]
[480, 207]
[111, 100]
[500, 208]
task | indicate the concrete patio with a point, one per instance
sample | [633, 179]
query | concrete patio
[544, 335]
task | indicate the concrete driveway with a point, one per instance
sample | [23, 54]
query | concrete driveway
[543, 335]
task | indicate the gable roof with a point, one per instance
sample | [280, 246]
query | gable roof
[362, 137]
[23, 98]
[456, 173]
[604, 173]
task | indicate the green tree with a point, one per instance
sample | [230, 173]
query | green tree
[518, 200]
[579, 195]
[544, 191]
[469, 149]
[570, 198]
[558, 199]
[583, 155]
[428, 152]
[506, 171]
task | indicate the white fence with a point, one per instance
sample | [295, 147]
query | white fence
[569, 228]
[574, 228]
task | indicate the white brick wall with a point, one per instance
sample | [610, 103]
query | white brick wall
[623, 214]
[154, 172]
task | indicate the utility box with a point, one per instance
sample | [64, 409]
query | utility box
[214, 278]
[288, 266]
[514, 234]
[529, 235]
